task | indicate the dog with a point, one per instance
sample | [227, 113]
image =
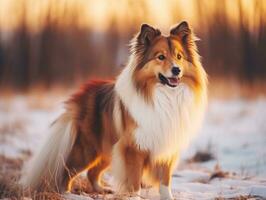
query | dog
[138, 124]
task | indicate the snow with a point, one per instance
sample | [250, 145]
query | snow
[22, 127]
[234, 131]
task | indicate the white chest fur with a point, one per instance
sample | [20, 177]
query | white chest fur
[165, 127]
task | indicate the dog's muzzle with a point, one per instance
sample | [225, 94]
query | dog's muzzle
[170, 81]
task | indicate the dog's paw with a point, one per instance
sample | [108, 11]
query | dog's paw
[165, 193]
[102, 189]
[167, 198]
[81, 185]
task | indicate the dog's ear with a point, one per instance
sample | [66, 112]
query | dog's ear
[187, 38]
[147, 34]
[182, 31]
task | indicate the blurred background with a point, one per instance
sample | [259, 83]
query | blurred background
[47, 44]
[49, 47]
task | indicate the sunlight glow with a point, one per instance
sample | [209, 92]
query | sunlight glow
[101, 15]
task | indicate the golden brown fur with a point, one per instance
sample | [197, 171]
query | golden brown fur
[104, 127]
[92, 110]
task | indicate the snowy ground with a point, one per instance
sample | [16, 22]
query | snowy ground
[234, 132]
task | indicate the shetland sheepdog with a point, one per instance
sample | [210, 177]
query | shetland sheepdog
[138, 124]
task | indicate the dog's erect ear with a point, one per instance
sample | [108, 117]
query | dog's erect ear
[182, 31]
[147, 34]
[186, 36]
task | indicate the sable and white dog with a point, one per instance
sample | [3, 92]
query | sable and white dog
[138, 123]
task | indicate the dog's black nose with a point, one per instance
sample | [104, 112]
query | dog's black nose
[175, 71]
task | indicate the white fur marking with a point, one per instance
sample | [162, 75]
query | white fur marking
[167, 126]
[165, 192]
[118, 169]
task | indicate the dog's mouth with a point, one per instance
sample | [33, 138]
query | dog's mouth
[170, 81]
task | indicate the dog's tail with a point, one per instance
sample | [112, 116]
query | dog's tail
[45, 170]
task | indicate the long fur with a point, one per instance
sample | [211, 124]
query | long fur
[167, 126]
[167, 118]
[45, 169]
[137, 124]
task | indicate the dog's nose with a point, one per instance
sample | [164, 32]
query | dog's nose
[175, 70]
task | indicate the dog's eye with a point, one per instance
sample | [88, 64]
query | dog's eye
[179, 56]
[161, 57]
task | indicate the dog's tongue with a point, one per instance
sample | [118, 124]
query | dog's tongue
[173, 80]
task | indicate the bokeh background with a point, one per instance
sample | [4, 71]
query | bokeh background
[49, 47]
[47, 43]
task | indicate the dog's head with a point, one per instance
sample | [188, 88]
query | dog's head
[167, 60]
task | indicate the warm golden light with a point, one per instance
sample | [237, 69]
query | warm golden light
[87, 37]
[101, 14]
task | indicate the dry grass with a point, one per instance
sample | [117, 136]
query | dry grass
[219, 173]
[201, 156]
[9, 174]
[9, 188]
[248, 197]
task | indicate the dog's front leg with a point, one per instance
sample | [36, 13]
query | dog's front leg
[134, 161]
[165, 171]
[165, 192]
[165, 183]
[128, 163]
